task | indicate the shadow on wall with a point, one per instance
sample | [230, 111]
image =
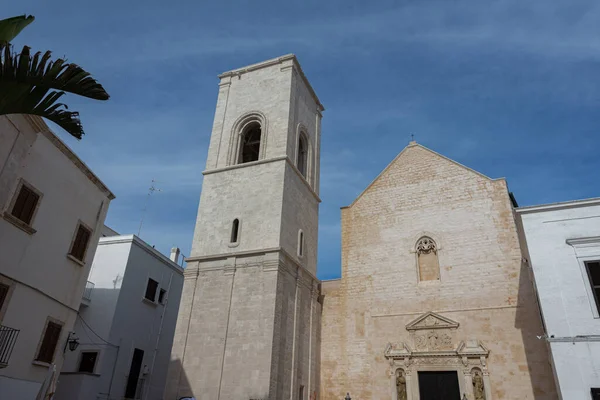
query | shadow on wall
[178, 386]
[529, 321]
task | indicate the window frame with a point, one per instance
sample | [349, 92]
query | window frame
[301, 245]
[8, 211]
[49, 320]
[70, 254]
[245, 129]
[153, 301]
[162, 296]
[587, 249]
[97, 352]
[438, 247]
[239, 233]
[11, 287]
[238, 129]
[303, 139]
[592, 287]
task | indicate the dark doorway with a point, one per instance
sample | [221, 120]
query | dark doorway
[134, 373]
[439, 385]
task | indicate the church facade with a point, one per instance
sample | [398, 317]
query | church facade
[435, 294]
[434, 298]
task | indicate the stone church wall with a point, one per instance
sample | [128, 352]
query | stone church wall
[483, 287]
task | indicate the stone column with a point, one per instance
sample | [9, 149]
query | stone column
[410, 389]
[487, 385]
[468, 378]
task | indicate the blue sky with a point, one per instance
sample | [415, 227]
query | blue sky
[509, 88]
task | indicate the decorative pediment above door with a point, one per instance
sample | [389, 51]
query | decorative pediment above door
[431, 320]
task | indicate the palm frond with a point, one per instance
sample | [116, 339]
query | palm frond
[33, 85]
[11, 27]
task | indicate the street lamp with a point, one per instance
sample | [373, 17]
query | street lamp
[72, 342]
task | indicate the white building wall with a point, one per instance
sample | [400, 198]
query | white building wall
[119, 315]
[44, 282]
[559, 239]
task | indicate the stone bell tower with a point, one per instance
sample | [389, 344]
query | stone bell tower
[249, 319]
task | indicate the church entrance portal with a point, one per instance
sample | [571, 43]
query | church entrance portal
[438, 385]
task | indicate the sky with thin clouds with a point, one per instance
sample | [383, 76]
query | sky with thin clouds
[508, 88]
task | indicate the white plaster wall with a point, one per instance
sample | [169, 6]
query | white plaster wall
[120, 316]
[45, 282]
[562, 285]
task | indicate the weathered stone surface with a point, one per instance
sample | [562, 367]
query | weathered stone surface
[482, 285]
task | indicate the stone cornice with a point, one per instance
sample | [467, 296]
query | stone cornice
[559, 206]
[267, 161]
[584, 242]
[270, 63]
[285, 262]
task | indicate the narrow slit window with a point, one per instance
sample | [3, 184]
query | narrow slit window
[302, 158]
[250, 143]
[300, 243]
[235, 230]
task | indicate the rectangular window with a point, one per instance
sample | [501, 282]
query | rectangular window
[595, 393]
[49, 342]
[82, 238]
[593, 270]
[162, 296]
[25, 204]
[88, 361]
[151, 288]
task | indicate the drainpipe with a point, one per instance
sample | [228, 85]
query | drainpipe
[162, 320]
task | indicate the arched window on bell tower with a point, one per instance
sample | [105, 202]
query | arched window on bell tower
[250, 143]
[302, 156]
[427, 259]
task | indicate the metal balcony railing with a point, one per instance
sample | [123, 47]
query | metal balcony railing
[87, 293]
[8, 338]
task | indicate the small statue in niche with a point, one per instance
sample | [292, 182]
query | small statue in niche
[401, 384]
[478, 389]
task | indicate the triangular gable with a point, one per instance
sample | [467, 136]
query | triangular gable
[410, 146]
[431, 320]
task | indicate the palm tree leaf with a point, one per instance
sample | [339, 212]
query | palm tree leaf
[57, 74]
[11, 27]
[33, 85]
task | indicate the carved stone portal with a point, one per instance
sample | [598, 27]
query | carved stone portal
[435, 347]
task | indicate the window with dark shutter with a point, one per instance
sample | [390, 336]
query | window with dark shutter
[49, 342]
[25, 203]
[151, 289]
[593, 270]
[88, 361]
[80, 243]
[3, 293]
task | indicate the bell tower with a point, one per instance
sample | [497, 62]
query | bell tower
[249, 319]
